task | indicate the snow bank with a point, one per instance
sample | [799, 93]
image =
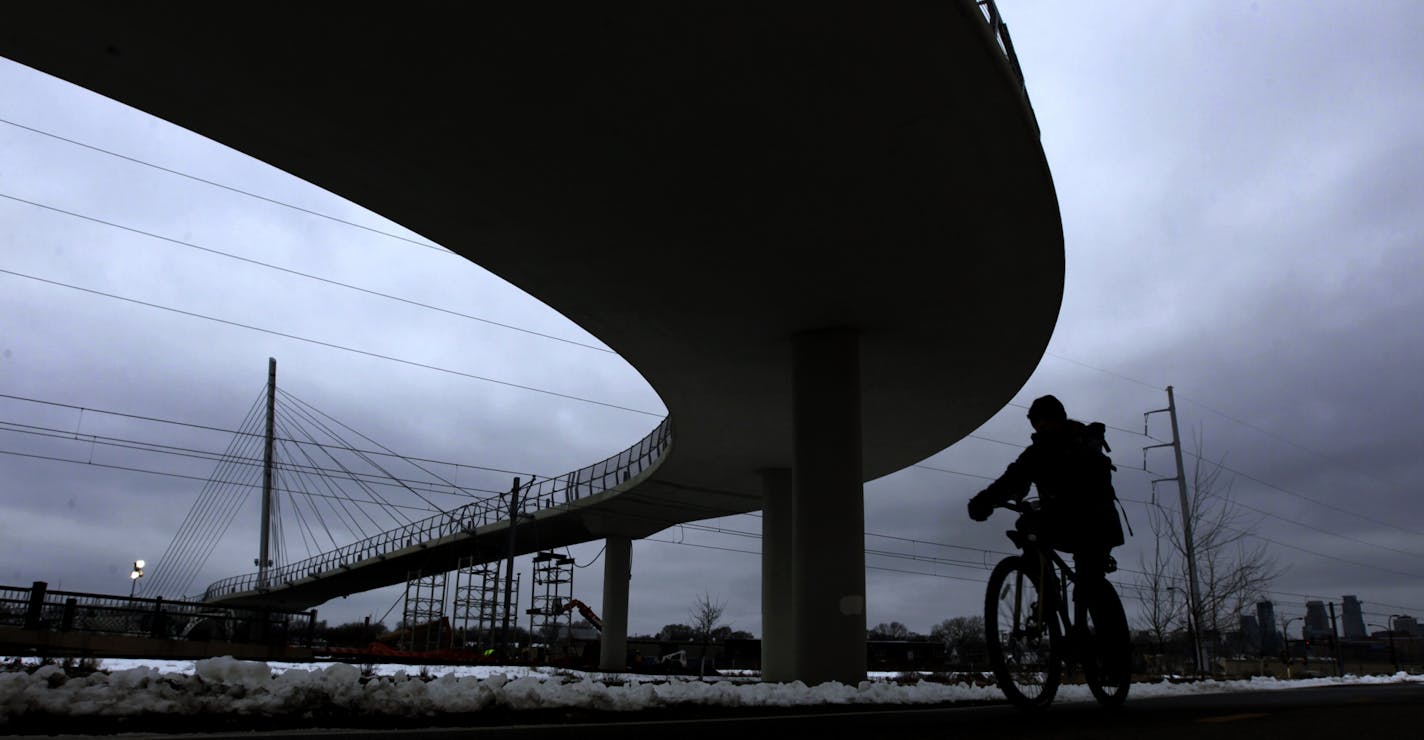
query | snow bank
[236, 688]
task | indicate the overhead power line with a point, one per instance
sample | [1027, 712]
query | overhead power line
[224, 430]
[181, 476]
[1233, 419]
[954, 472]
[331, 345]
[1101, 370]
[1304, 497]
[306, 275]
[1133, 432]
[228, 188]
[1263, 538]
[252, 460]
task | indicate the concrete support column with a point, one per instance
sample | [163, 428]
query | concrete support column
[617, 570]
[827, 509]
[778, 647]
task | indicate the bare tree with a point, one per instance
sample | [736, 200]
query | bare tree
[892, 631]
[1234, 569]
[706, 614]
[963, 637]
[1163, 602]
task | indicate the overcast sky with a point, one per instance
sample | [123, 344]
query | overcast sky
[1242, 189]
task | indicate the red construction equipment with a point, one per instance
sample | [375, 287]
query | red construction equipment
[583, 610]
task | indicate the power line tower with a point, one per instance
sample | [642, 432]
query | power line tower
[1188, 538]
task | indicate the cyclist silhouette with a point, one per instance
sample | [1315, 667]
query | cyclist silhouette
[1077, 512]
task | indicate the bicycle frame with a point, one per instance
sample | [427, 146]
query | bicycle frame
[1054, 574]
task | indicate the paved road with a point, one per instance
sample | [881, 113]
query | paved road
[1338, 713]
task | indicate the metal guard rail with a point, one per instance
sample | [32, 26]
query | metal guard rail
[565, 489]
[1000, 30]
[39, 608]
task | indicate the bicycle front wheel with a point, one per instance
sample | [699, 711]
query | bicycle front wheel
[1023, 634]
[1107, 653]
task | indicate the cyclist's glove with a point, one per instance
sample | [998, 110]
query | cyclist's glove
[980, 508]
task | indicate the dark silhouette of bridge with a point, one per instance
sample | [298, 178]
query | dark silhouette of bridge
[825, 233]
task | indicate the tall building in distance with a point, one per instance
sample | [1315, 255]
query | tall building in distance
[1317, 622]
[1405, 625]
[1354, 616]
[1251, 633]
[1266, 617]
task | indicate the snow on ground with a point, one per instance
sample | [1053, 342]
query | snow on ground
[229, 687]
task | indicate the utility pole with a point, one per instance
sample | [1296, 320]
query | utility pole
[1335, 642]
[509, 567]
[1194, 594]
[263, 560]
[1393, 656]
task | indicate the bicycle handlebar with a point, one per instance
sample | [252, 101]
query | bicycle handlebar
[1022, 506]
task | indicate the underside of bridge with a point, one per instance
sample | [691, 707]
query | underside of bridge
[825, 233]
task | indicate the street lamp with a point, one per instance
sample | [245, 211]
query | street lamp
[136, 574]
[1393, 620]
[1285, 642]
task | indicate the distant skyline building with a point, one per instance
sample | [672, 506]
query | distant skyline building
[1354, 616]
[1405, 625]
[1317, 622]
[1266, 618]
[1251, 632]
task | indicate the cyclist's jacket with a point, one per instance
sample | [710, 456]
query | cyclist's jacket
[1075, 491]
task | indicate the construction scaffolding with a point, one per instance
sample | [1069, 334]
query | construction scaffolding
[553, 590]
[425, 625]
[477, 615]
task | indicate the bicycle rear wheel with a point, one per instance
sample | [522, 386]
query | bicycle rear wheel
[1023, 634]
[1107, 645]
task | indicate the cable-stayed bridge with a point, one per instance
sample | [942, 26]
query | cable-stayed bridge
[318, 484]
[550, 512]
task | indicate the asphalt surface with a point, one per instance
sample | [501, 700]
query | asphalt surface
[1379, 710]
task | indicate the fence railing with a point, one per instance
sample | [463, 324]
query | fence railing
[604, 475]
[1006, 45]
[38, 608]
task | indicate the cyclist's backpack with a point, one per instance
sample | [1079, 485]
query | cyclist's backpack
[1097, 468]
[1095, 438]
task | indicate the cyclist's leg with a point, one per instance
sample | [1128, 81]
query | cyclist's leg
[1091, 571]
[1100, 627]
[1092, 567]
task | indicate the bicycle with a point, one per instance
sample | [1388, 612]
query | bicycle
[1031, 638]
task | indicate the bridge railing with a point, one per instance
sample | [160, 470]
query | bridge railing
[600, 476]
[1006, 45]
[538, 494]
